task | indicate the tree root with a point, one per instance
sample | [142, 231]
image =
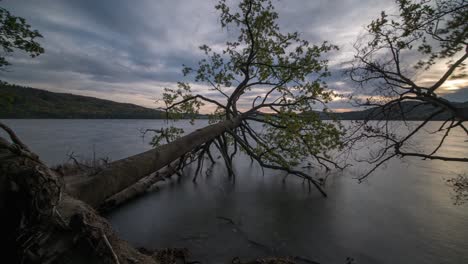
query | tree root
[43, 224]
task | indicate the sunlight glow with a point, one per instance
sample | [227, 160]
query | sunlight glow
[453, 85]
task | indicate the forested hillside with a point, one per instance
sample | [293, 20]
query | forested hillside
[23, 102]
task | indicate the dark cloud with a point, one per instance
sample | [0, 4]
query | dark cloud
[130, 50]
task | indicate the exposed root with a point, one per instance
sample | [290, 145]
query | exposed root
[44, 224]
[109, 246]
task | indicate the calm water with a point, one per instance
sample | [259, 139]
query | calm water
[402, 214]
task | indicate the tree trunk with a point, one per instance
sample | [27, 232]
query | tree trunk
[138, 188]
[125, 172]
[49, 221]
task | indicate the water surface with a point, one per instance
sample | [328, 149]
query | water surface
[402, 214]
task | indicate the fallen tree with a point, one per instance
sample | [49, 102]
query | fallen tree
[44, 224]
[126, 172]
[286, 70]
[50, 221]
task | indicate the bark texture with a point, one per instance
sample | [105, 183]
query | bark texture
[139, 188]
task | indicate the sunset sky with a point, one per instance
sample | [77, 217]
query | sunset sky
[128, 51]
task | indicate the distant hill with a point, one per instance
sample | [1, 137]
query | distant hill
[22, 102]
[410, 109]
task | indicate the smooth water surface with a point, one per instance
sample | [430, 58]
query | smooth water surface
[402, 214]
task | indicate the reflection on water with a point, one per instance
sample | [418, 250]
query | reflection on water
[402, 214]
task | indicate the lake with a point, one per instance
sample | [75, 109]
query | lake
[403, 213]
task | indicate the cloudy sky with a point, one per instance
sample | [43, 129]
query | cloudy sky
[128, 51]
